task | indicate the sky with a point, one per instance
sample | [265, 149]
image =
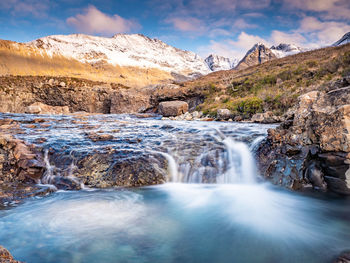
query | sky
[224, 27]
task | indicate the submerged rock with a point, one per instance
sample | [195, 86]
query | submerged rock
[312, 147]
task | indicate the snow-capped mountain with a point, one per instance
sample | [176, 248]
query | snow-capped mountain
[216, 62]
[344, 40]
[283, 50]
[258, 54]
[123, 50]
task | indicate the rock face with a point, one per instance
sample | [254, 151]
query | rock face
[45, 95]
[6, 257]
[172, 108]
[312, 147]
[258, 54]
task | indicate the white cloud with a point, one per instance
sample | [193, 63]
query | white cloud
[328, 9]
[93, 21]
[187, 24]
[37, 8]
[230, 48]
[322, 32]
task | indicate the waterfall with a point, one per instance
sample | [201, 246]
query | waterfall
[235, 165]
[241, 164]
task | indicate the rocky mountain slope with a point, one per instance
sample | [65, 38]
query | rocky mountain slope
[258, 54]
[133, 50]
[133, 60]
[344, 40]
[216, 62]
[283, 50]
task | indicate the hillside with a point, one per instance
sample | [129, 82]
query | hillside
[273, 85]
[132, 60]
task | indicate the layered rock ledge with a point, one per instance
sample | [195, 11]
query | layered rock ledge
[312, 147]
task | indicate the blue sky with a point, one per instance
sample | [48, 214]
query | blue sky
[224, 27]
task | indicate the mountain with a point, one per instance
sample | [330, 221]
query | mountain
[283, 50]
[133, 50]
[258, 54]
[344, 40]
[216, 62]
[132, 60]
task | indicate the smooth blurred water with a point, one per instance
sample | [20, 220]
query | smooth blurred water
[235, 220]
[177, 223]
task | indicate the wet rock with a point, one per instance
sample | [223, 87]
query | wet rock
[343, 258]
[313, 144]
[224, 114]
[121, 168]
[99, 137]
[6, 257]
[172, 108]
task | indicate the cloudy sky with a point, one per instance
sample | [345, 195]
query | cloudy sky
[224, 27]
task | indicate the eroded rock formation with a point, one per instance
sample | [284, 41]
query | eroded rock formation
[312, 147]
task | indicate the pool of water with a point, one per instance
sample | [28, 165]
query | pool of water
[178, 223]
[236, 219]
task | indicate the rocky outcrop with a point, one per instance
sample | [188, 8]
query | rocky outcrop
[6, 257]
[172, 108]
[45, 95]
[258, 54]
[312, 147]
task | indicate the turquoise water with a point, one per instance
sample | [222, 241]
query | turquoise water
[178, 223]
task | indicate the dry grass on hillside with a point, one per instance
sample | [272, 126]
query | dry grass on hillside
[274, 85]
[19, 59]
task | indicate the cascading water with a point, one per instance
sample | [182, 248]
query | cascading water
[215, 212]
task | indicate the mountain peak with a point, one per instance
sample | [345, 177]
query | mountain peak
[258, 54]
[217, 62]
[344, 40]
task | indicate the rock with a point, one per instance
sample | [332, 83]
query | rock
[312, 146]
[41, 108]
[121, 168]
[343, 258]
[172, 108]
[6, 257]
[224, 114]
[99, 137]
[266, 117]
[62, 84]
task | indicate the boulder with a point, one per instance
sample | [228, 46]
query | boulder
[224, 114]
[266, 117]
[41, 108]
[172, 108]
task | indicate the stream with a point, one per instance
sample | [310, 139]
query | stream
[214, 206]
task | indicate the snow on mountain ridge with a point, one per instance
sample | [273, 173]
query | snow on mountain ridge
[283, 50]
[344, 40]
[134, 50]
[216, 62]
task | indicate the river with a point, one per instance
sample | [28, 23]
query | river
[213, 208]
